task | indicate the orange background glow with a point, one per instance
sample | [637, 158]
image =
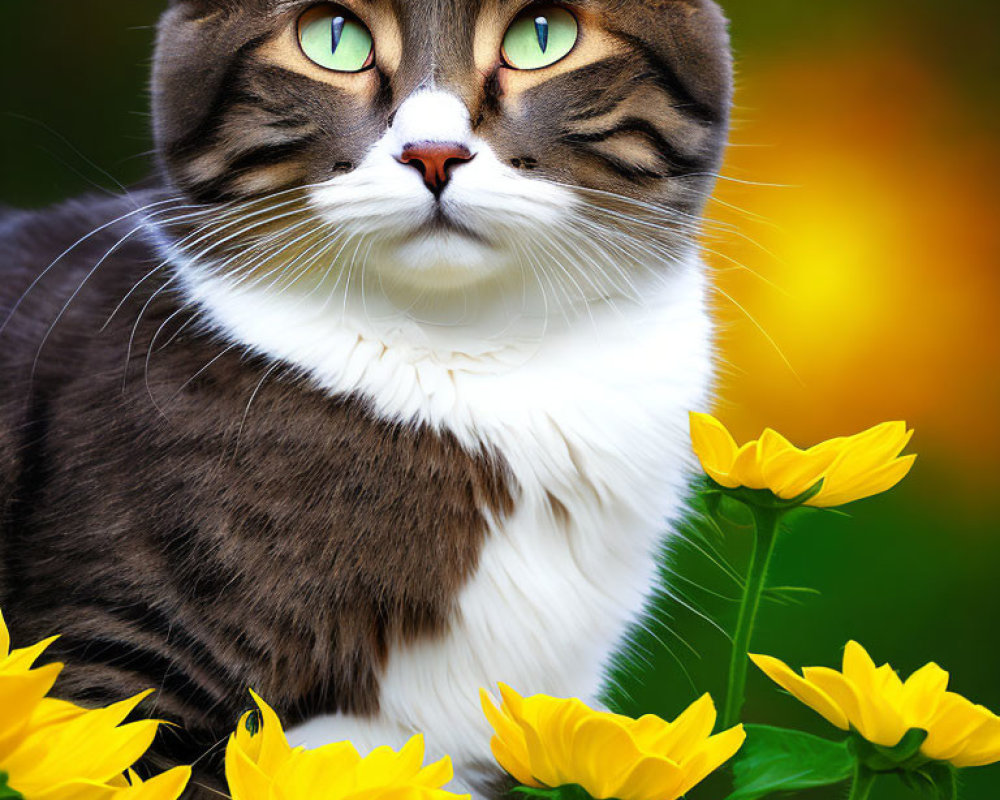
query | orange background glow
[867, 280]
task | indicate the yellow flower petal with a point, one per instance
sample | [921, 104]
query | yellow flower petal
[20, 695]
[790, 473]
[875, 723]
[814, 697]
[274, 748]
[610, 755]
[513, 703]
[923, 694]
[167, 786]
[712, 443]
[851, 468]
[841, 691]
[561, 720]
[436, 775]
[687, 733]
[542, 767]
[519, 769]
[952, 728]
[4, 638]
[860, 487]
[882, 708]
[263, 766]
[246, 780]
[983, 747]
[79, 789]
[858, 665]
[24, 658]
[506, 728]
[604, 750]
[651, 778]
[715, 752]
[747, 469]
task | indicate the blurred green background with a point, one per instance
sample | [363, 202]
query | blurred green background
[856, 240]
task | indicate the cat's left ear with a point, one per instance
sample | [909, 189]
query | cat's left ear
[197, 42]
[202, 8]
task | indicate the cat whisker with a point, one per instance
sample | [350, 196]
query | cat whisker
[133, 290]
[76, 293]
[763, 331]
[609, 239]
[182, 327]
[566, 271]
[135, 329]
[74, 149]
[653, 621]
[295, 270]
[271, 248]
[325, 247]
[739, 265]
[602, 272]
[743, 181]
[41, 276]
[257, 389]
[200, 372]
[213, 230]
[540, 265]
[678, 598]
[156, 335]
[341, 274]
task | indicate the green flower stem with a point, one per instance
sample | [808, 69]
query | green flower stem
[861, 786]
[766, 522]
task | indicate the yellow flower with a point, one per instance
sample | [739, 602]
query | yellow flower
[261, 765]
[22, 689]
[882, 708]
[75, 753]
[547, 742]
[167, 786]
[54, 750]
[851, 468]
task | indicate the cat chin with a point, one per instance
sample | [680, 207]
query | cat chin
[442, 261]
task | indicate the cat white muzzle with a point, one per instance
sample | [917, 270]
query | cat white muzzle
[476, 221]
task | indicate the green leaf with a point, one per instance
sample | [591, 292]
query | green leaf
[569, 792]
[6, 793]
[780, 760]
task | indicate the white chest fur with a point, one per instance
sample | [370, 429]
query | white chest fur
[593, 423]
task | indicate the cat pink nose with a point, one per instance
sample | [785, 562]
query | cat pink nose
[435, 161]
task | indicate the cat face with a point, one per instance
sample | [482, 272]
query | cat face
[442, 142]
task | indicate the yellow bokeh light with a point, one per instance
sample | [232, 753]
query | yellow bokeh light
[873, 265]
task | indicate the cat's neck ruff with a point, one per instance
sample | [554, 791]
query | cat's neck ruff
[457, 376]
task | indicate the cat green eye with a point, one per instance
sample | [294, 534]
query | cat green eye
[336, 39]
[539, 37]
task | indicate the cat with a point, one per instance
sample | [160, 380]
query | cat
[377, 393]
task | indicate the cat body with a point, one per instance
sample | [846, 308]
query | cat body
[361, 436]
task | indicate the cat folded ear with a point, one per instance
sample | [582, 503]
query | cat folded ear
[690, 41]
[203, 8]
[197, 43]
